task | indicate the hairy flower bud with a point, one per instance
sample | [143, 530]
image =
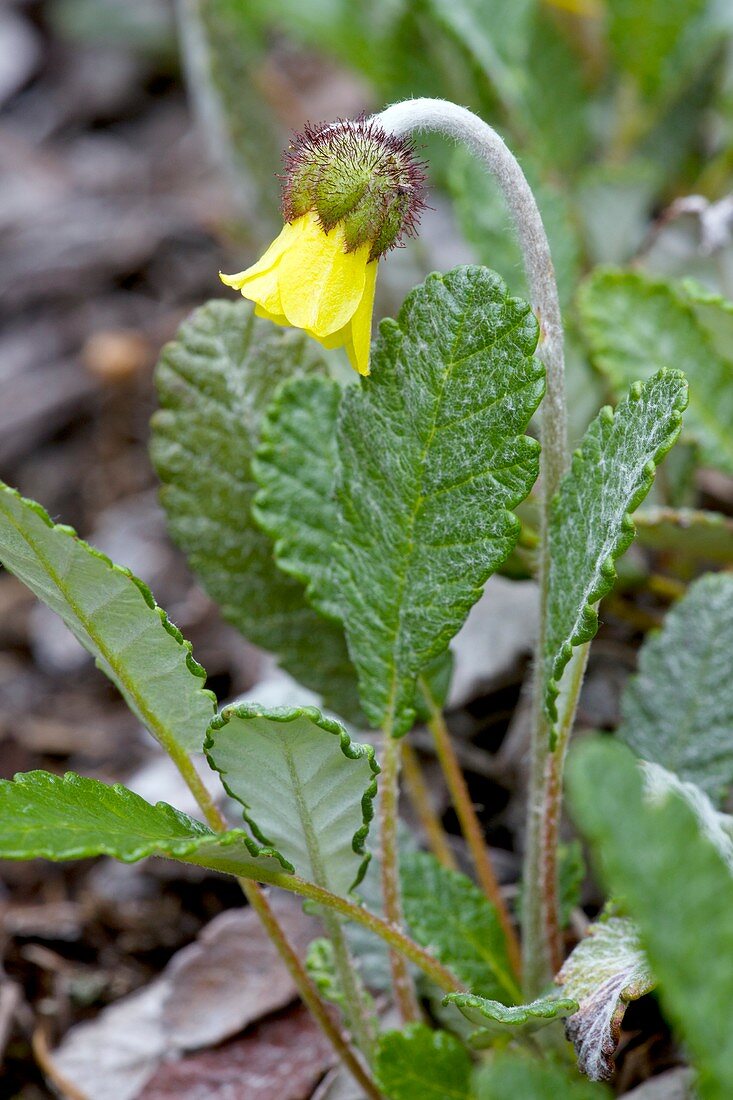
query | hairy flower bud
[354, 173]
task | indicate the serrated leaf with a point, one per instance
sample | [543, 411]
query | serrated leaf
[214, 382]
[707, 535]
[677, 888]
[295, 467]
[420, 1062]
[519, 1077]
[635, 324]
[432, 461]
[307, 789]
[606, 971]
[678, 710]
[590, 524]
[494, 1019]
[44, 816]
[448, 914]
[115, 618]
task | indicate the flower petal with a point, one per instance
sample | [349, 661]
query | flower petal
[321, 285]
[264, 290]
[359, 343]
[289, 234]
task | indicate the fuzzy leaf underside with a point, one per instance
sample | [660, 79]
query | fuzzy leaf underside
[606, 971]
[114, 616]
[295, 467]
[635, 324]
[307, 789]
[517, 1076]
[494, 1019]
[678, 889]
[433, 459]
[706, 535]
[215, 381]
[659, 783]
[421, 1062]
[590, 523]
[448, 914]
[678, 709]
[44, 816]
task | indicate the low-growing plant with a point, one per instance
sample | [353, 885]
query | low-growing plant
[348, 525]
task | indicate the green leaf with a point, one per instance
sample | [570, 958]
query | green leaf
[590, 525]
[520, 1077]
[115, 618]
[606, 971]
[495, 1020]
[307, 789]
[44, 816]
[484, 220]
[215, 381]
[448, 914]
[420, 1062]
[679, 890]
[432, 461]
[493, 35]
[678, 710]
[295, 467]
[571, 871]
[321, 966]
[635, 324]
[660, 43]
[707, 535]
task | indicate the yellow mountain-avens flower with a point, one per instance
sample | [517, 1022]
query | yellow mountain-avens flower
[307, 279]
[350, 192]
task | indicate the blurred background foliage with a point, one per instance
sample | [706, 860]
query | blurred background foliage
[618, 110]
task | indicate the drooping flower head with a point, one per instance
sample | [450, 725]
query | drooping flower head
[351, 192]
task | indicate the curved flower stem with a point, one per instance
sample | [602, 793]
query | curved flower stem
[419, 796]
[258, 900]
[470, 825]
[389, 791]
[462, 125]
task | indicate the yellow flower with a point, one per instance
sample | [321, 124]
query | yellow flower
[309, 280]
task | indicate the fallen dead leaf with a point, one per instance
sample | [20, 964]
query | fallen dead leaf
[280, 1059]
[211, 990]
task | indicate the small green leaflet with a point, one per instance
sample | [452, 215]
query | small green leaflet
[683, 906]
[432, 460]
[606, 971]
[45, 816]
[516, 1076]
[449, 915]
[215, 381]
[494, 1020]
[678, 710]
[307, 789]
[590, 525]
[295, 466]
[421, 1062]
[635, 324]
[115, 618]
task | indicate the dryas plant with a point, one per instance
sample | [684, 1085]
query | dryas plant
[348, 526]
